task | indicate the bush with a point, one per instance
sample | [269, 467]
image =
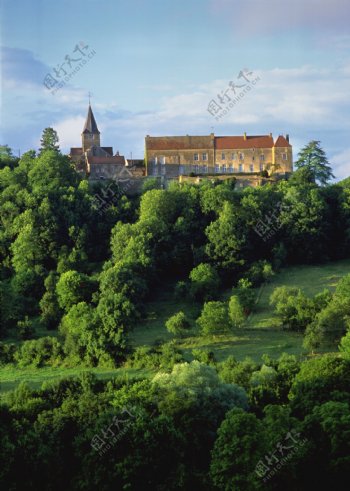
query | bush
[214, 318]
[164, 356]
[39, 352]
[204, 356]
[259, 272]
[25, 329]
[7, 352]
[177, 324]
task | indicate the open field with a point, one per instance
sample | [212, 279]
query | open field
[10, 376]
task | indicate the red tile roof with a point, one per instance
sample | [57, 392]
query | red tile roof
[237, 142]
[282, 142]
[178, 142]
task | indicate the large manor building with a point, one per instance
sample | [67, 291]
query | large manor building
[184, 155]
[175, 157]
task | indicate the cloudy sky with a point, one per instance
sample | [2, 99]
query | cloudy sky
[154, 66]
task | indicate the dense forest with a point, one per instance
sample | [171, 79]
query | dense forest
[74, 283]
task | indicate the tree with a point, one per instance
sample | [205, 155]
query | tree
[240, 444]
[235, 312]
[214, 318]
[177, 324]
[245, 294]
[73, 287]
[49, 141]
[205, 282]
[314, 158]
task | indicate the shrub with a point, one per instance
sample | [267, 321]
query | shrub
[204, 356]
[25, 328]
[7, 352]
[39, 352]
[177, 324]
[259, 272]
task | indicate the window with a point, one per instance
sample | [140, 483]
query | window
[253, 158]
[162, 160]
[223, 156]
[223, 169]
[204, 156]
[262, 157]
[195, 156]
[205, 169]
[233, 156]
[240, 168]
[251, 168]
[181, 170]
[284, 156]
[241, 156]
[230, 169]
[217, 169]
[261, 166]
[196, 169]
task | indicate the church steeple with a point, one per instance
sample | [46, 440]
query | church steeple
[90, 135]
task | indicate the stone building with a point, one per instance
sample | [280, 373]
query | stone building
[173, 156]
[93, 160]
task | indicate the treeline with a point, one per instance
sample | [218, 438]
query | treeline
[86, 275]
[280, 424]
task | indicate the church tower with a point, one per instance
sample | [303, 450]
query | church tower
[90, 135]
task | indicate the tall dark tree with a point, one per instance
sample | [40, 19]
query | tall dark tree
[49, 140]
[313, 158]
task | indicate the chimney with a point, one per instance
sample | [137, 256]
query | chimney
[287, 138]
[245, 135]
[270, 135]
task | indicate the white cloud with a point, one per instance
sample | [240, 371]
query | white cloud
[69, 131]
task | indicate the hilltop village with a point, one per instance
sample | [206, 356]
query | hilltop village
[250, 159]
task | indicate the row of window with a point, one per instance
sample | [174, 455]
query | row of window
[234, 156]
[221, 169]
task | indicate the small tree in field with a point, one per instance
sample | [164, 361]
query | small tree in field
[177, 324]
[214, 318]
[235, 312]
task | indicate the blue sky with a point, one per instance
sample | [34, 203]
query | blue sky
[157, 65]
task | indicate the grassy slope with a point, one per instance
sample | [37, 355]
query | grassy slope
[260, 335]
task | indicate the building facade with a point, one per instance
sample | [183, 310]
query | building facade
[174, 156]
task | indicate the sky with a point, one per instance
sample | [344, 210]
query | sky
[158, 67]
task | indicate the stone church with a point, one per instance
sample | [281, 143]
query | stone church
[96, 161]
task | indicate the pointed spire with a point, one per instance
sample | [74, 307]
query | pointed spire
[90, 123]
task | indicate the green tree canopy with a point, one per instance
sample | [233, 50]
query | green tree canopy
[313, 157]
